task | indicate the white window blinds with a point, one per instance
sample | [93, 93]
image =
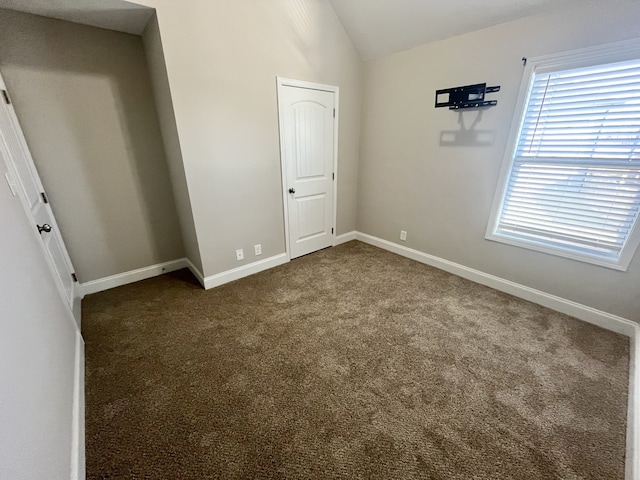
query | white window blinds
[575, 177]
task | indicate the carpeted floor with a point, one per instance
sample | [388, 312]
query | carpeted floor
[349, 363]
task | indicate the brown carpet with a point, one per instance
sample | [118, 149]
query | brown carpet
[350, 363]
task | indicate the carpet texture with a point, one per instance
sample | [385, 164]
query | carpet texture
[350, 363]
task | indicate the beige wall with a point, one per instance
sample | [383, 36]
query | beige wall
[441, 195]
[222, 60]
[37, 353]
[162, 94]
[83, 97]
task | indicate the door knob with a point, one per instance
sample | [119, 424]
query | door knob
[44, 228]
[292, 190]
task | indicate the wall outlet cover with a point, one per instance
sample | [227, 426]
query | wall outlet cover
[403, 235]
[258, 249]
[239, 254]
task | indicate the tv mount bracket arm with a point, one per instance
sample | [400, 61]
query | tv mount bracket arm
[469, 96]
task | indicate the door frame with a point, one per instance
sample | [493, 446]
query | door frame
[283, 82]
[12, 177]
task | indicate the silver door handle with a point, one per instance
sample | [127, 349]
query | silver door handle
[44, 228]
[292, 190]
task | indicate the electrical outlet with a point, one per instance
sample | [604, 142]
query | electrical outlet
[239, 254]
[403, 235]
[258, 249]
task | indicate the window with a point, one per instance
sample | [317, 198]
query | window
[571, 181]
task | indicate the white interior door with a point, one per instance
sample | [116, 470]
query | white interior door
[307, 129]
[23, 180]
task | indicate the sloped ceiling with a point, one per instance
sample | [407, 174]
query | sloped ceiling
[377, 27]
[383, 27]
[110, 14]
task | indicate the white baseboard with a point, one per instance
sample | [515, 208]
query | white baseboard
[344, 238]
[633, 416]
[125, 278]
[245, 271]
[78, 465]
[590, 315]
[582, 312]
[196, 272]
[76, 309]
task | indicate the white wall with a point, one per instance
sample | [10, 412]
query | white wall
[37, 349]
[83, 97]
[222, 59]
[442, 195]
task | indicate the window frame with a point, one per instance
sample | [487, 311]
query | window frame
[610, 53]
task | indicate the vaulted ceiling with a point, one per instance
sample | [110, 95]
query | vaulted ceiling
[110, 14]
[377, 27]
[382, 27]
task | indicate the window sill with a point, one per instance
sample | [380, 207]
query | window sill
[616, 264]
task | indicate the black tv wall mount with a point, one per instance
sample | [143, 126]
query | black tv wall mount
[469, 96]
